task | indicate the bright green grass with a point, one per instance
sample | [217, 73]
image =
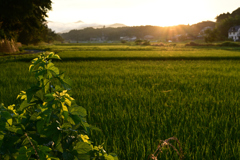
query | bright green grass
[124, 47]
[181, 53]
[208, 53]
[137, 103]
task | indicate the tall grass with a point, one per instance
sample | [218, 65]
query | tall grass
[136, 103]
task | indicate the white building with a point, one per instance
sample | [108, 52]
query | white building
[234, 33]
[126, 38]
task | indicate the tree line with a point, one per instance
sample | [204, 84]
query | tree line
[218, 31]
[138, 31]
[224, 22]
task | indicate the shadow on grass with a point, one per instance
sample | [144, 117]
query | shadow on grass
[227, 48]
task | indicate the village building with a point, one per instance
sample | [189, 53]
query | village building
[126, 38]
[148, 37]
[234, 33]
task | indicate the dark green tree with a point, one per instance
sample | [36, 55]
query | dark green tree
[223, 16]
[16, 16]
[226, 24]
[44, 34]
[211, 35]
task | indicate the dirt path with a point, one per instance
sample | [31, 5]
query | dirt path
[26, 51]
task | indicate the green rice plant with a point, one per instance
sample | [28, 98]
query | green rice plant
[137, 102]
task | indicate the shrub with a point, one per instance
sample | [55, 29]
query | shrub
[174, 44]
[48, 124]
[146, 42]
[138, 42]
[158, 44]
[123, 41]
[229, 44]
[192, 44]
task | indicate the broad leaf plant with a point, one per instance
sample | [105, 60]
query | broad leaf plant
[48, 124]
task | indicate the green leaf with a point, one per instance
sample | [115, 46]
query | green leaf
[68, 102]
[66, 83]
[49, 97]
[49, 74]
[40, 125]
[31, 67]
[108, 157]
[49, 54]
[44, 149]
[76, 119]
[36, 61]
[46, 85]
[58, 146]
[25, 142]
[30, 92]
[34, 116]
[66, 126]
[1, 138]
[70, 120]
[78, 110]
[23, 127]
[67, 156]
[23, 105]
[47, 114]
[14, 129]
[22, 95]
[64, 107]
[83, 148]
[58, 88]
[7, 116]
[52, 131]
[54, 56]
[2, 124]
[25, 153]
[52, 68]
[11, 107]
[41, 73]
[65, 115]
[114, 156]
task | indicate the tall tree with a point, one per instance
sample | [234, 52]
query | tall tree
[226, 24]
[16, 15]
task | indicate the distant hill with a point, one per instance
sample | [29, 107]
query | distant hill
[60, 27]
[115, 31]
[116, 25]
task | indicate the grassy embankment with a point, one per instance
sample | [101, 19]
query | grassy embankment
[138, 97]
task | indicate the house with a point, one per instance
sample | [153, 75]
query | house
[234, 33]
[126, 38]
[148, 37]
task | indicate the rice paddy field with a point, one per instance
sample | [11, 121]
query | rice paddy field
[139, 95]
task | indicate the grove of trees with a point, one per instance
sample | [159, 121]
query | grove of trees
[25, 21]
[223, 23]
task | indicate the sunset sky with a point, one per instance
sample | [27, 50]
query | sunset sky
[139, 12]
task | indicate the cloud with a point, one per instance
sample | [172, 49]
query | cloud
[60, 27]
[65, 27]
